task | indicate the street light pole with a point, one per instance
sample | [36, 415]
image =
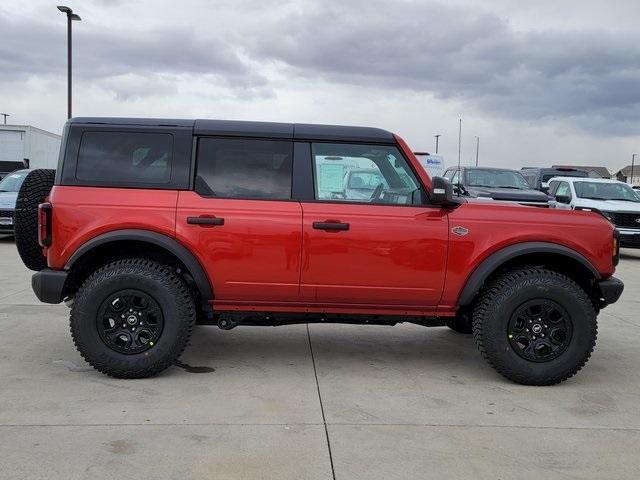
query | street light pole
[459, 141]
[633, 161]
[477, 148]
[70, 17]
[437, 137]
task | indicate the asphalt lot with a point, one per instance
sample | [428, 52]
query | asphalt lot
[399, 402]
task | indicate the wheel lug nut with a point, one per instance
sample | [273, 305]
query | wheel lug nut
[534, 337]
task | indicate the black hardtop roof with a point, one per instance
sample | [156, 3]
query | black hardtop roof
[294, 131]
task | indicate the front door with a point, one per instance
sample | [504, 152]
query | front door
[241, 221]
[366, 239]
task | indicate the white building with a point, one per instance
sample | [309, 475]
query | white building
[26, 146]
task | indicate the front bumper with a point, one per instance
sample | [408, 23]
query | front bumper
[629, 237]
[48, 285]
[610, 290]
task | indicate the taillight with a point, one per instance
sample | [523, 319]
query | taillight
[44, 224]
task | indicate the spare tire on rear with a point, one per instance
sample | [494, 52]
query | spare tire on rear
[34, 191]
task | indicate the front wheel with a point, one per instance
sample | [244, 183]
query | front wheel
[132, 318]
[535, 326]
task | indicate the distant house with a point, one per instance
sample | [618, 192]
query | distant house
[596, 172]
[624, 175]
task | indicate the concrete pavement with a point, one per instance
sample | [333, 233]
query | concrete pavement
[330, 401]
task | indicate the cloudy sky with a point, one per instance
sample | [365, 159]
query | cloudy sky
[539, 82]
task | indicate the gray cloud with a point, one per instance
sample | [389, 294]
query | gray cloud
[589, 76]
[107, 57]
[585, 77]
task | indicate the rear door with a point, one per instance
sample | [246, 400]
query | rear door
[369, 243]
[241, 221]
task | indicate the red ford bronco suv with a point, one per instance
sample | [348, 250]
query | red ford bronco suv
[149, 227]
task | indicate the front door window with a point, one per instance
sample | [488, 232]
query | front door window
[362, 174]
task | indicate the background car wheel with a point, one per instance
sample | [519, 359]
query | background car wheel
[132, 318]
[535, 326]
[34, 190]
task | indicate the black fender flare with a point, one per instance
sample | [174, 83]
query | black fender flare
[163, 241]
[495, 260]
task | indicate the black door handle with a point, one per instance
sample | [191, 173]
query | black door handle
[330, 226]
[205, 221]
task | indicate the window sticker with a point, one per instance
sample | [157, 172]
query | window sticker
[331, 177]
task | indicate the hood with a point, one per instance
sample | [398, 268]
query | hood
[509, 194]
[608, 205]
[8, 200]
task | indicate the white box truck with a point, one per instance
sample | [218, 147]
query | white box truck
[24, 146]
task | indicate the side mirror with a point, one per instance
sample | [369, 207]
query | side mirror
[442, 192]
[563, 199]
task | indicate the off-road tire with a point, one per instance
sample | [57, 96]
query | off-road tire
[33, 192]
[461, 323]
[504, 295]
[160, 282]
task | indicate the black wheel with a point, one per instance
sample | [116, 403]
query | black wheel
[461, 323]
[132, 318]
[535, 326]
[34, 190]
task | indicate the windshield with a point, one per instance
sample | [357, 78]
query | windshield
[12, 182]
[496, 178]
[605, 191]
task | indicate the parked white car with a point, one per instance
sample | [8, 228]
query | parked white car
[615, 200]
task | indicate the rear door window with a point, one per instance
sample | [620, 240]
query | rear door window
[125, 157]
[244, 168]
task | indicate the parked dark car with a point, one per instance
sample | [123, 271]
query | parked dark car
[496, 184]
[539, 178]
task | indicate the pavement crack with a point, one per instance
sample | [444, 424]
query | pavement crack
[324, 420]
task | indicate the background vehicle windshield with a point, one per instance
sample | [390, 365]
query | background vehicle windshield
[496, 178]
[12, 182]
[605, 191]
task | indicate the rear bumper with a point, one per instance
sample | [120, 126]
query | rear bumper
[610, 290]
[48, 285]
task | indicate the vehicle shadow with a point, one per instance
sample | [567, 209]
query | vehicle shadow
[339, 346]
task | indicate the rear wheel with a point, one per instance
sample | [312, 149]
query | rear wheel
[34, 190]
[535, 326]
[132, 318]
